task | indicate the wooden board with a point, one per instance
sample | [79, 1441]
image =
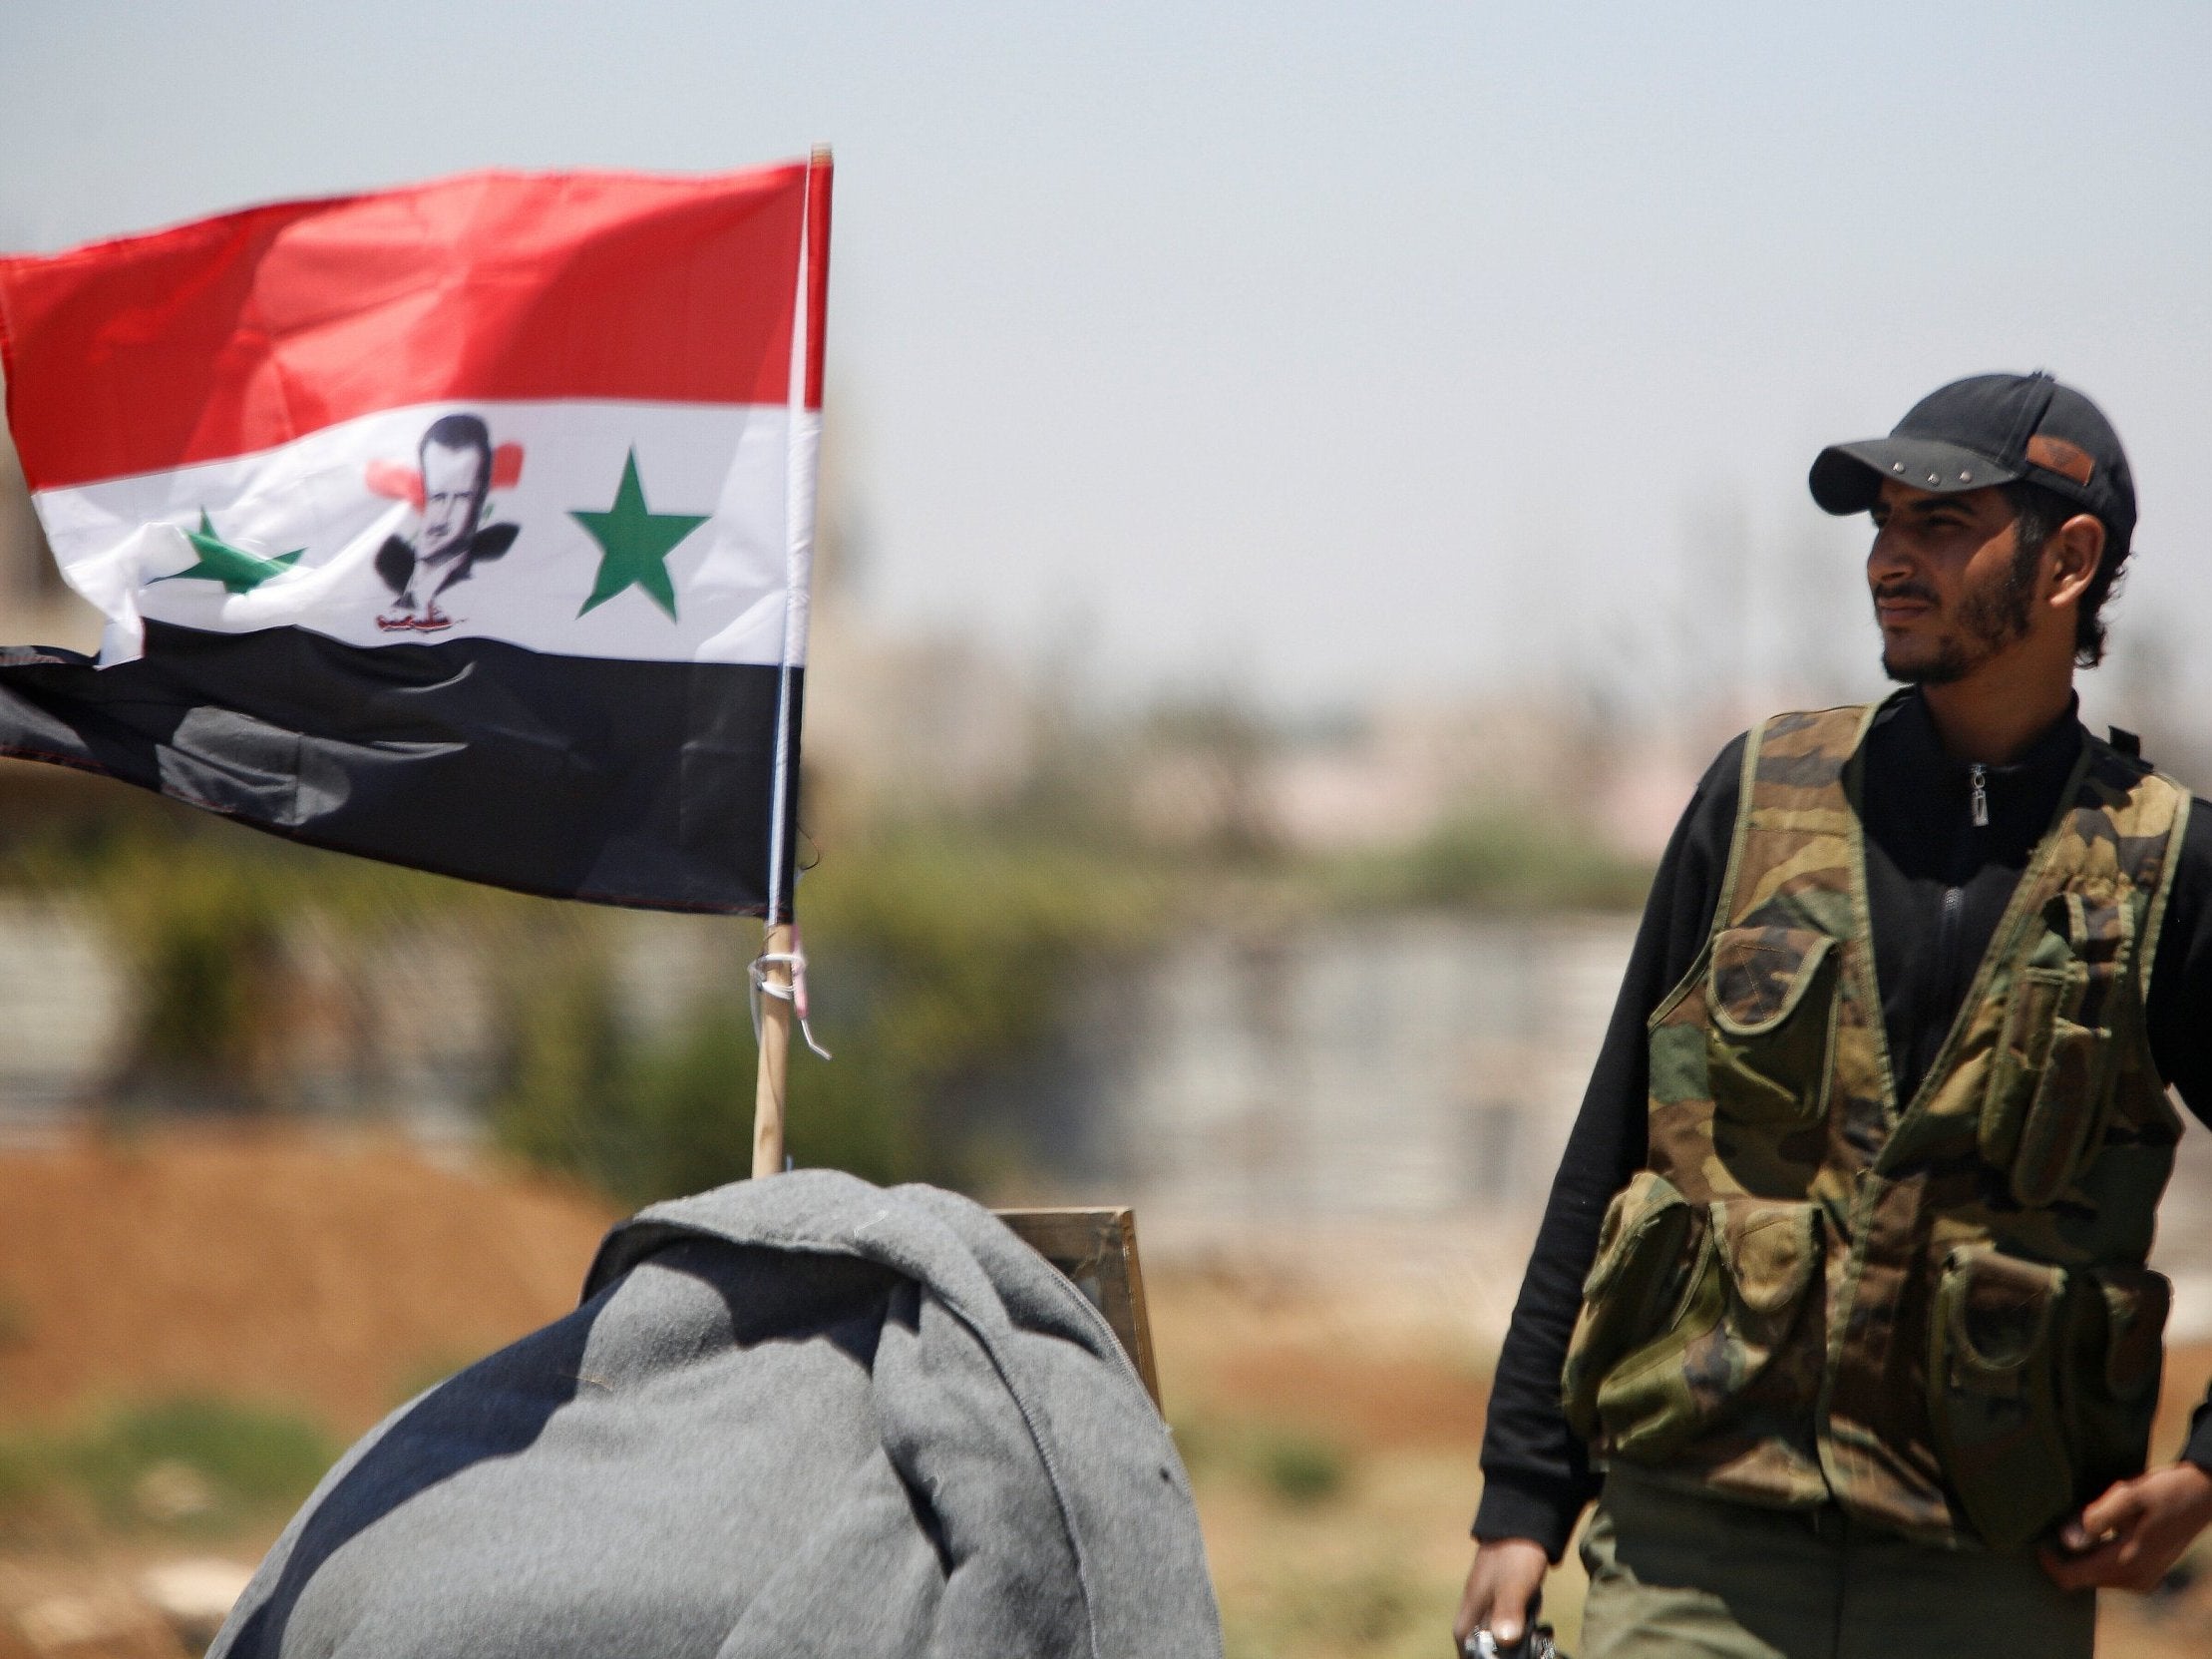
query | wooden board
[1097, 1251]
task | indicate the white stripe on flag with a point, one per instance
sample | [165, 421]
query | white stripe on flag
[122, 542]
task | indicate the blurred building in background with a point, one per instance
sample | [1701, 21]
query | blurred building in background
[1397, 1067]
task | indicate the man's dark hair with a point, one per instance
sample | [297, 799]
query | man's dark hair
[470, 432]
[2037, 515]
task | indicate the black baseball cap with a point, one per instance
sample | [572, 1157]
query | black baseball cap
[1990, 429]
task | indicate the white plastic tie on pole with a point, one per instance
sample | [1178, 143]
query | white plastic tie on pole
[795, 992]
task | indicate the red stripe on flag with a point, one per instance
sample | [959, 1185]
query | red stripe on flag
[242, 332]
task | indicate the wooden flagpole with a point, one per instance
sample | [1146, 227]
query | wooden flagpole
[775, 1050]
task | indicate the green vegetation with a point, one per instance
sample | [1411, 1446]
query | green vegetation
[639, 1118]
[1511, 861]
[1300, 1468]
[951, 961]
[202, 913]
[1293, 1465]
[190, 1465]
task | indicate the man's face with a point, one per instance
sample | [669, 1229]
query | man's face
[1951, 589]
[453, 490]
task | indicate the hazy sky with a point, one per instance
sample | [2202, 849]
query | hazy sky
[1332, 349]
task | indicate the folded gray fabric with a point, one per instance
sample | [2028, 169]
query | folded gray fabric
[792, 1416]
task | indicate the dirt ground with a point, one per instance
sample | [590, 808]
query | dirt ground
[1330, 1405]
[329, 1275]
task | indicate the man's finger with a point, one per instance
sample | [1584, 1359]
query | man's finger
[1474, 1606]
[1509, 1612]
[2109, 1511]
[1476, 1598]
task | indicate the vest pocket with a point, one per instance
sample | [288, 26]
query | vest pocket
[1992, 1396]
[1772, 992]
[2065, 1116]
[2049, 1081]
[2119, 1328]
[1650, 1247]
[1719, 1306]
[2023, 1046]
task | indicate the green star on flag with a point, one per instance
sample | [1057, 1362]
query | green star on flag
[634, 543]
[238, 571]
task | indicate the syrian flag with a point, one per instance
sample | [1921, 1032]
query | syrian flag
[465, 525]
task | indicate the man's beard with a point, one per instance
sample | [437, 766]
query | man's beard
[1992, 617]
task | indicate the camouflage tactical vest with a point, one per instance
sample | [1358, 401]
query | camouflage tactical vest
[1935, 1312]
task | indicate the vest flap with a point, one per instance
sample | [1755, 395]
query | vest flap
[1769, 1247]
[1759, 975]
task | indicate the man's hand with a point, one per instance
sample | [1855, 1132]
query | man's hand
[1500, 1586]
[2129, 1537]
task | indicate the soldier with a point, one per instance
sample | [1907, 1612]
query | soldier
[1841, 1284]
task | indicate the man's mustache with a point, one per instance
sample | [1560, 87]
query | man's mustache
[1904, 590]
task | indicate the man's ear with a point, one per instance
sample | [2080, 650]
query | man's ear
[2073, 551]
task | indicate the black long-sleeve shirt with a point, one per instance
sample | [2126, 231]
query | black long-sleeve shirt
[1924, 855]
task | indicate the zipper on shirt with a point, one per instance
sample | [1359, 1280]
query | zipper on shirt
[1947, 925]
[1955, 896]
[1951, 918]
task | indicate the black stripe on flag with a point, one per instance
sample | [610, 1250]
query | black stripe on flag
[620, 782]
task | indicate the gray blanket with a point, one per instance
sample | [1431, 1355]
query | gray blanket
[792, 1417]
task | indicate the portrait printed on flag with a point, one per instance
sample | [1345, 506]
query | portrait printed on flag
[451, 491]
